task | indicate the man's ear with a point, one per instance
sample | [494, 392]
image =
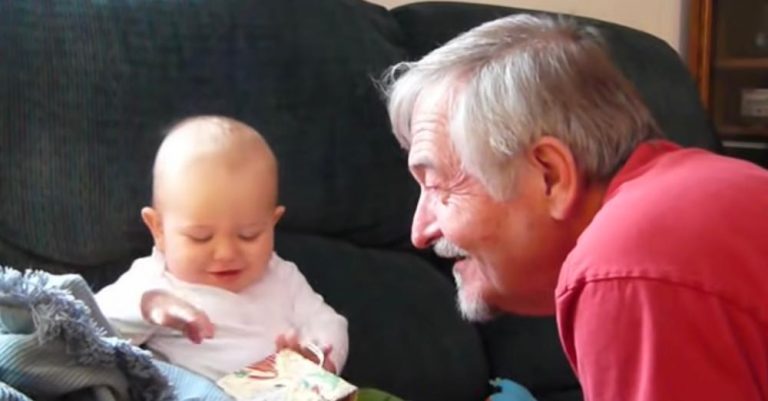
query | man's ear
[557, 169]
[279, 211]
[155, 225]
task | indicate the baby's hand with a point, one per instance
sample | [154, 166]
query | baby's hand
[290, 341]
[165, 309]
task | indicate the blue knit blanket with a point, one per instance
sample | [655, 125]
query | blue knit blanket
[55, 344]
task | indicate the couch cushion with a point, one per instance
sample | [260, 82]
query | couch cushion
[91, 85]
[405, 334]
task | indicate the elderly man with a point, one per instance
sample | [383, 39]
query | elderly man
[545, 176]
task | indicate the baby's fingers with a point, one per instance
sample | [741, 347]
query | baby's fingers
[199, 328]
[289, 340]
[179, 315]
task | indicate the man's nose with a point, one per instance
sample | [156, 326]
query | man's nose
[424, 231]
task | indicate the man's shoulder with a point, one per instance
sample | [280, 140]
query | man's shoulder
[689, 179]
[683, 196]
[683, 219]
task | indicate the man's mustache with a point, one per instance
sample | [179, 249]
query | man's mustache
[447, 249]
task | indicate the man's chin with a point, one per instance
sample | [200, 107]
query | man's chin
[473, 309]
[469, 293]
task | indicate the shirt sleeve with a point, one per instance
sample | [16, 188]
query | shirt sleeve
[651, 340]
[316, 321]
[120, 302]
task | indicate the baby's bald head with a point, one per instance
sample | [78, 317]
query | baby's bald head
[215, 203]
[199, 143]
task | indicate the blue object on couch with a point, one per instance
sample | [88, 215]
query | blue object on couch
[56, 345]
[510, 391]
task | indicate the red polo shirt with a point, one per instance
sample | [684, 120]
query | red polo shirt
[665, 296]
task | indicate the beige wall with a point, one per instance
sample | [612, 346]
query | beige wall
[666, 19]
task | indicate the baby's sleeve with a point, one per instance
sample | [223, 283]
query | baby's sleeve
[120, 302]
[316, 321]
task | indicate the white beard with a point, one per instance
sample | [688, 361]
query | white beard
[472, 307]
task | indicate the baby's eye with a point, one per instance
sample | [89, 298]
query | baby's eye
[249, 236]
[200, 238]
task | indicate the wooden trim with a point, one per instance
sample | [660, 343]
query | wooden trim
[742, 130]
[700, 46]
[742, 63]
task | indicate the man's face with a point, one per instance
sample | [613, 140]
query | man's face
[217, 226]
[499, 245]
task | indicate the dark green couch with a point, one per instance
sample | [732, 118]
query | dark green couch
[86, 87]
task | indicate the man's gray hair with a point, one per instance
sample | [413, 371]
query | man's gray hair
[516, 79]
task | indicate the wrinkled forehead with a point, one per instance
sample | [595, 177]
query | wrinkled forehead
[419, 92]
[430, 141]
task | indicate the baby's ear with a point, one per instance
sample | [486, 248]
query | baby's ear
[279, 211]
[155, 225]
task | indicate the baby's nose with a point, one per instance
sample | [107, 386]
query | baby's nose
[226, 250]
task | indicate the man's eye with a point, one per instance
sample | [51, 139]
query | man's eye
[438, 192]
[436, 189]
[443, 196]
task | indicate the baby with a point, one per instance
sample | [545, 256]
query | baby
[213, 278]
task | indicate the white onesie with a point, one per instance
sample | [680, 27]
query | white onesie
[246, 323]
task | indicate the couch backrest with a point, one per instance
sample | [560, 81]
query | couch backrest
[87, 87]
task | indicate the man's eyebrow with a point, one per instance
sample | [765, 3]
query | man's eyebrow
[421, 162]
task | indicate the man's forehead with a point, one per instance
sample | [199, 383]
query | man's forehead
[430, 124]
[429, 131]
[428, 140]
[431, 150]
[432, 99]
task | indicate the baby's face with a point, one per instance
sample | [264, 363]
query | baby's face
[217, 226]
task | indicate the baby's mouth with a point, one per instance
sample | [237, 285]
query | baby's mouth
[225, 273]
